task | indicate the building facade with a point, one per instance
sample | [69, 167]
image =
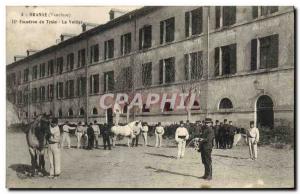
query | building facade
[239, 61]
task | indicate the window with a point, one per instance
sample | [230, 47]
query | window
[60, 113]
[60, 90]
[167, 107]
[34, 72]
[19, 77]
[59, 65]
[81, 86]
[225, 16]
[125, 44]
[94, 53]
[50, 90]
[20, 97]
[70, 112]
[81, 112]
[193, 65]
[109, 49]
[26, 95]
[167, 70]
[69, 89]
[70, 61]
[95, 111]
[50, 67]
[109, 81]
[34, 94]
[42, 70]
[145, 37]
[225, 104]
[147, 74]
[94, 84]
[193, 22]
[126, 78]
[225, 60]
[167, 30]
[263, 10]
[81, 58]
[42, 93]
[264, 52]
[26, 75]
[196, 105]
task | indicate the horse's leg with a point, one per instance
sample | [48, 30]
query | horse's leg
[42, 162]
[33, 160]
[114, 139]
[128, 142]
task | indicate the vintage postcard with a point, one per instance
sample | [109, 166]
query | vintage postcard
[150, 97]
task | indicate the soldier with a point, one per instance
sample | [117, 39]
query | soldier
[145, 130]
[198, 129]
[96, 133]
[66, 134]
[226, 134]
[232, 131]
[181, 135]
[205, 147]
[53, 149]
[79, 132]
[90, 134]
[252, 139]
[159, 131]
[221, 136]
[217, 135]
[106, 136]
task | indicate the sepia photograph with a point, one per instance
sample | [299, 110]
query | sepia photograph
[150, 97]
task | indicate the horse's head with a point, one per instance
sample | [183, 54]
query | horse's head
[136, 127]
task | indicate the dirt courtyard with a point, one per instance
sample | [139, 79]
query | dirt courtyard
[150, 167]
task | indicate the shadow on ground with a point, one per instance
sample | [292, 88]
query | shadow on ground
[227, 156]
[160, 155]
[157, 170]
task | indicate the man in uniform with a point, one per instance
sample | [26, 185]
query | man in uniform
[181, 135]
[79, 133]
[145, 130]
[232, 131]
[159, 131]
[217, 135]
[206, 144]
[96, 133]
[66, 134]
[226, 134]
[106, 136]
[91, 135]
[198, 129]
[53, 140]
[252, 139]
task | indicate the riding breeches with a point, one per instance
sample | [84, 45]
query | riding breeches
[54, 159]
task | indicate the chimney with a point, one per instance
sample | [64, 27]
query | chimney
[18, 57]
[31, 51]
[114, 13]
[87, 26]
[65, 36]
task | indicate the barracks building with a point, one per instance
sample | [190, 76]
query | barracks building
[239, 61]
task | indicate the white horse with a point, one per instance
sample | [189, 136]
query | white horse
[130, 131]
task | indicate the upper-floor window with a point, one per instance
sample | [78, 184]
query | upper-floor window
[125, 43]
[193, 22]
[34, 95]
[42, 70]
[193, 65]
[94, 53]
[126, 78]
[69, 89]
[20, 97]
[225, 60]
[263, 10]
[145, 37]
[19, 77]
[70, 61]
[26, 75]
[264, 52]
[81, 58]
[225, 16]
[50, 67]
[42, 93]
[50, 91]
[94, 84]
[59, 90]
[59, 65]
[34, 72]
[109, 81]
[167, 70]
[167, 30]
[109, 49]
[147, 74]
[81, 86]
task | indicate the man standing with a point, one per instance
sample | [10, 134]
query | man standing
[206, 144]
[181, 135]
[216, 132]
[117, 111]
[232, 131]
[90, 133]
[53, 149]
[135, 140]
[198, 129]
[226, 134]
[105, 135]
[96, 129]
[252, 139]
[159, 131]
[66, 134]
[145, 130]
[79, 133]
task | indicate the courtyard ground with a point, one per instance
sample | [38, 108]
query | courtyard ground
[150, 167]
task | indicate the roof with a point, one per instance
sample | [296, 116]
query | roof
[110, 24]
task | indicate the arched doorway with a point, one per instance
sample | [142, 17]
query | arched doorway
[264, 112]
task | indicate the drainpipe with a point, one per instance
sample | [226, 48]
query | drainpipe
[87, 82]
[208, 61]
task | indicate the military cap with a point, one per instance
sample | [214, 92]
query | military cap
[251, 122]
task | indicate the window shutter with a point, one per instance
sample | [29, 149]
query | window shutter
[187, 24]
[91, 84]
[274, 51]
[122, 45]
[161, 32]
[218, 16]
[254, 12]
[140, 38]
[233, 59]
[186, 66]
[105, 50]
[253, 63]
[161, 71]
[217, 61]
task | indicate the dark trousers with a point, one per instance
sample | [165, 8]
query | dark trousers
[135, 141]
[231, 139]
[222, 141]
[91, 141]
[217, 140]
[106, 142]
[206, 160]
